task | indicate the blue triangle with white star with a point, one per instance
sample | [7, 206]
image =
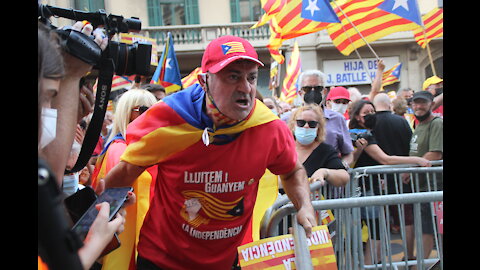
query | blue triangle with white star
[407, 9]
[319, 11]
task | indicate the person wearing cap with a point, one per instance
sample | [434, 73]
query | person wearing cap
[434, 85]
[338, 99]
[205, 141]
[427, 142]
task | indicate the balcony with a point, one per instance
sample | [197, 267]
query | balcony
[194, 38]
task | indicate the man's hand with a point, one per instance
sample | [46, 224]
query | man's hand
[306, 218]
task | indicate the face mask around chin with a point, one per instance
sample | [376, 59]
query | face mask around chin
[49, 126]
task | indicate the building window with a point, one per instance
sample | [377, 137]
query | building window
[245, 10]
[172, 12]
[89, 5]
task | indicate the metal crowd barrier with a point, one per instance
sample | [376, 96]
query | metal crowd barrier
[347, 207]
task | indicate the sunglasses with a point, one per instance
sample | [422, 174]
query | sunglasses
[308, 88]
[311, 124]
[140, 109]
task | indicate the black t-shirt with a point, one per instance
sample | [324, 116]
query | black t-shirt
[324, 156]
[392, 134]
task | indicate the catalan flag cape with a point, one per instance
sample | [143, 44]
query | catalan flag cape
[392, 75]
[175, 124]
[433, 22]
[294, 68]
[293, 18]
[124, 257]
[372, 22]
[167, 73]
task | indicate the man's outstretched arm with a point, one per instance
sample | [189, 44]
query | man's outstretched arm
[123, 174]
[295, 184]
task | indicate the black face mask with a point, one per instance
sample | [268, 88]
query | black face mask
[312, 97]
[370, 120]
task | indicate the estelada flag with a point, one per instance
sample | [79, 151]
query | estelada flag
[191, 78]
[372, 22]
[296, 18]
[294, 68]
[433, 23]
[167, 73]
[392, 75]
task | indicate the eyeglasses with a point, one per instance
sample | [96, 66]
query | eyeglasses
[308, 88]
[311, 124]
[140, 109]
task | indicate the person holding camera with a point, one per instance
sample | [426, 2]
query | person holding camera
[368, 153]
[59, 103]
[202, 139]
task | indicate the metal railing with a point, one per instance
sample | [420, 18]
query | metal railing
[350, 215]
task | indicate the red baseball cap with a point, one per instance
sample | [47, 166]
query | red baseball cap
[338, 92]
[223, 50]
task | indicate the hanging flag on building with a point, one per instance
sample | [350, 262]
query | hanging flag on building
[191, 78]
[297, 18]
[362, 21]
[167, 73]
[433, 22]
[294, 68]
[392, 75]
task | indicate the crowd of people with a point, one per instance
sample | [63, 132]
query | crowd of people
[188, 155]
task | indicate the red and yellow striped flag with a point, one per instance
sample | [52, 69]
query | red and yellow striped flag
[295, 19]
[289, 90]
[373, 23]
[191, 78]
[271, 7]
[433, 22]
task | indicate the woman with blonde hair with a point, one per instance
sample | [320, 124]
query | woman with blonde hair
[321, 160]
[130, 105]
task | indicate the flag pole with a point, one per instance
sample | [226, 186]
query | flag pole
[360, 34]
[356, 51]
[428, 51]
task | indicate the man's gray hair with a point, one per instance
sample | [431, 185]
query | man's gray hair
[312, 72]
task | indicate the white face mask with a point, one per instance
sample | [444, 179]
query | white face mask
[339, 107]
[49, 126]
[70, 183]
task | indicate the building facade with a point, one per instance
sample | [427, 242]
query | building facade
[194, 23]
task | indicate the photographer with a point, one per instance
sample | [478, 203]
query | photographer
[59, 96]
[368, 153]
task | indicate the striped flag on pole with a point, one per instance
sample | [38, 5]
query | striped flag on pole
[191, 78]
[292, 18]
[392, 75]
[167, 73]
[372, 22]
[433, 22]
[289, 89]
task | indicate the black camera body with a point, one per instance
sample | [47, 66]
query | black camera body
[129, 59]
[356, 134]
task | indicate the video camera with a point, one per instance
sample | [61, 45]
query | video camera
[117, 58]
[356, 134]
[129, 59]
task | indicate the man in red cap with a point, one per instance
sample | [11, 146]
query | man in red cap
[205, 141]
[338, 99]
